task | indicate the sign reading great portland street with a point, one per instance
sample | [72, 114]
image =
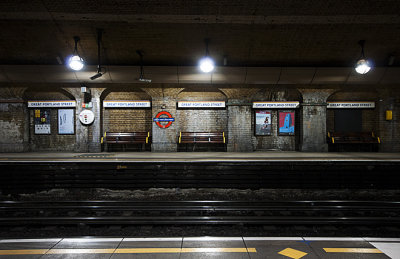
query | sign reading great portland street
[126, 104]
[351, 105]
[200, 104]
[51, 104]
[277, 105]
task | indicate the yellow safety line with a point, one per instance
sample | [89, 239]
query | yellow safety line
[24, 252]
[353, 250]
[81, 251]
[214, 250]
[147, 250]
[128, 251]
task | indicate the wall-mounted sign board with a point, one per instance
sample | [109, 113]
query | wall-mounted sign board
[126, 104]
[276, 105]
[351, 105]
[263, 122]
[51, 104]
[42, 121]
[201, 104]
[66, 121]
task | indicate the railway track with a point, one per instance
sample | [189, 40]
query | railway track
[199, 212]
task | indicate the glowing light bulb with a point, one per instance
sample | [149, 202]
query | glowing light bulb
[363, 66]
[206, 64]
[75, 63]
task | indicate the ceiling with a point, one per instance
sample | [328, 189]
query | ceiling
[275, 33]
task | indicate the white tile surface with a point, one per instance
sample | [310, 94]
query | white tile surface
[355, 239]
[40, 240]
[379, 239]
[390, 249]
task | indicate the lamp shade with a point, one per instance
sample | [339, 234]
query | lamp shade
[75, 63]
[363, 66]
[206, 64]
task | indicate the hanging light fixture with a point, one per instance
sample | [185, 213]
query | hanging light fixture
[75, 62]
[100, 70]
[141, 76]
[206, 64]
[363, 65]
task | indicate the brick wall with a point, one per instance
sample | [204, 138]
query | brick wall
[370, 121]
[274, 141]
[127, 119]
[54, 141]
[202, 119]
[389, 130]
[12, 126]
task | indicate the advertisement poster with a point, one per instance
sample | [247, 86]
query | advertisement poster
[66, 121]
[42, 121]
[263, 123]
[286, 123]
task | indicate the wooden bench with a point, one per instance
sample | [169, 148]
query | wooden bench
[353, 141]
[124, 138]
[202, 138]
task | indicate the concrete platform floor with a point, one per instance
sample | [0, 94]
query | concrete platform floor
[197, 156]
[201, 247]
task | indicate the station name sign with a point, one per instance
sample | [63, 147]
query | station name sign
[199, 104]
[126, 104]
[272, 105]
[351, 105]
[51, 104]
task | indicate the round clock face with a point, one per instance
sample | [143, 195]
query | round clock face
[86, 117]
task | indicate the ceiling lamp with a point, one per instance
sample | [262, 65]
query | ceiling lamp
[363, 65]
[206, 64]
[75, 62]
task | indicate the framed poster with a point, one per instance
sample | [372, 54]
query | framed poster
[42, 122]
[286, 123]
[66, 121]
[263, 123]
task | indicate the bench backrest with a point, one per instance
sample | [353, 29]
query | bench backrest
[126, 137]
[201, 137]
[353, 137]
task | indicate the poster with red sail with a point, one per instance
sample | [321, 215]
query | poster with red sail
[286, 123]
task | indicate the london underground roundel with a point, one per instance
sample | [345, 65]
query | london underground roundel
[163, 116]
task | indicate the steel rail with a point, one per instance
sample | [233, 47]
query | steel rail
[46, 212]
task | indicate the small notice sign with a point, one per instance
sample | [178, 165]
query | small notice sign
[351, 105]
[42, 121]
[126, 104]
[277, 105]
[51, 104]
[201, 104]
